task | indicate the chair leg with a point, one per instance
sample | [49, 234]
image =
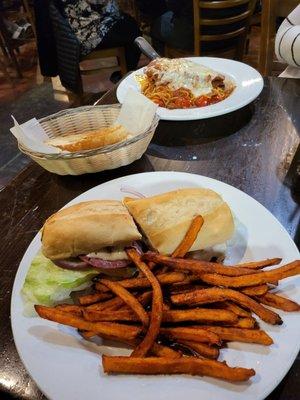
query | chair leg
[240, 49]
[15, 62]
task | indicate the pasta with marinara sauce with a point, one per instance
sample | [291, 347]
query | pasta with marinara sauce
[182, 83]
[166, 97]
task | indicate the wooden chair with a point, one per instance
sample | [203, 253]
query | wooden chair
[200, 22]
[271, 9]
[117, 52]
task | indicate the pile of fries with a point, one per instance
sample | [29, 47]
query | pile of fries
[178, 312]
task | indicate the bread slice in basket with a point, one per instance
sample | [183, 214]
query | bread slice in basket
[90, 140]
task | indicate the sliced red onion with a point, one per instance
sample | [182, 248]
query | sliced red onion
[72, 263]
[131, 190]
[137, 246]
[99, 263]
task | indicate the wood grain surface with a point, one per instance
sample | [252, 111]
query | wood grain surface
[255, 149]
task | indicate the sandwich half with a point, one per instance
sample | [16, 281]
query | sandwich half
[92, 233]
[78, 243]
[165, 219]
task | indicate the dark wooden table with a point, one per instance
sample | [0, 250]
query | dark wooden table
[255, 149]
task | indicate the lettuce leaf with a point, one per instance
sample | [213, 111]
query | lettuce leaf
[47, 284]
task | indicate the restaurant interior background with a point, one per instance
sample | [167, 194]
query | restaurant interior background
[249, 154]
[25, 93]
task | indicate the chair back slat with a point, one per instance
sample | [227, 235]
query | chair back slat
[225, 21]
[222, 4]
[240, 22]
[223, 36]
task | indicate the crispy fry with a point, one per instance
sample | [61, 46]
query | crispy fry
[139, 283]
[211, 295]
[198, 266]
[164, 351]
[189, 238]
[261, 264]
[241, 335]
[128, 298]
[166, 307]
[228, 305]
[110, 316]
[190, 333]
[189, 365]
[247, 322]
[107, 328]
[87, 334]
[70, 308]
[157, 307]
[112, 304]
[169, 316]
[201, 315]
[260, 278]
[202, 349]
[158, 350]
[255, 290]
[276, 301]
[94, 298]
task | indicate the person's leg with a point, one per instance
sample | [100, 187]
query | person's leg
[160, 30]
[122, 34]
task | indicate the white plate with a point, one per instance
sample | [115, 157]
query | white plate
[66, 367]
[248, 81]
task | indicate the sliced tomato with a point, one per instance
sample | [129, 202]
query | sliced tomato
[182, 103]
[201, 101]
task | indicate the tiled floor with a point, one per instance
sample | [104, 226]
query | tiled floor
[33, 96]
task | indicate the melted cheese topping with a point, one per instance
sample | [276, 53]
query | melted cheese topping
[180, 73]
[110, 254]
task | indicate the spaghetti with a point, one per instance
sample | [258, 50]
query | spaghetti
[179, 84]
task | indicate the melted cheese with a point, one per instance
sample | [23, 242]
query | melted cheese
[110, 254]
[180, 73]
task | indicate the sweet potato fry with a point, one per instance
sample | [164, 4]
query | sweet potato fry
[157, 306]
[158, 350]
[200, 315]
[183, 365]
[164, 351]
[107, 328]
[94, 298]
[110, 316]
[255, 290]
[190, 333]
[189, 238]
[211, 295]
[112, 304]
[197, 266]
[139, 283]
[260, 278]
[260, 264]
[128, 299]
[241, 335]
[276, 301]
[202, 349]
[228, 305]
[71, 308]
[247, 322]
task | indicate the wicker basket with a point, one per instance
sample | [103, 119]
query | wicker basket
[83, 119]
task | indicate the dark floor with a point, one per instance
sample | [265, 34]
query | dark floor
[27, 99]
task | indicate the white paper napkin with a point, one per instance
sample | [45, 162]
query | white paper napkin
[137, 112]
[32, 136]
